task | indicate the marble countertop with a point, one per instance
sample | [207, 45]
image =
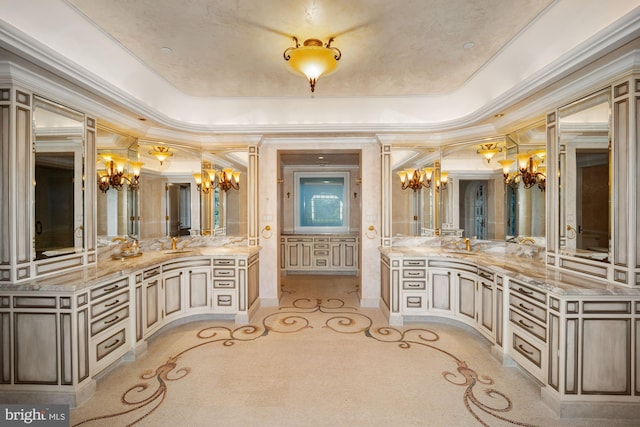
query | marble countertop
[530, 271]
[112, 269]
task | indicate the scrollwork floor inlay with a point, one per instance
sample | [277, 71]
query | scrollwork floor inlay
[480, 396]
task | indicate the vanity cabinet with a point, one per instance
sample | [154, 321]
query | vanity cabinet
[225, 285]
[528, 328]
[413, 293]
[298, 253]
[110, 326]
[319, 253]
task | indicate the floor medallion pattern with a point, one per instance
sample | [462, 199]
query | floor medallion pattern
[480, 399]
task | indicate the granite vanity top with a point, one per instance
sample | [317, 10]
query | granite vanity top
[529, 271]
[110, 269]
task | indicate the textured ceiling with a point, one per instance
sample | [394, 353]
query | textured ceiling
[234, 48]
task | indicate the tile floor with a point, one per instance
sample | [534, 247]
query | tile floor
[318, 360]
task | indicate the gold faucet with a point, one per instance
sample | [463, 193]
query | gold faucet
[527, 239]
[119, 239]
[467, 244]
[174, 243]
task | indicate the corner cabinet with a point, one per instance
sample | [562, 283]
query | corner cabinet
[55, 343]
[337, 254]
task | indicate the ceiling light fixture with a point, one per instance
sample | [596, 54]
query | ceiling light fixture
[489, 150]
[312, 59]
[161, 153]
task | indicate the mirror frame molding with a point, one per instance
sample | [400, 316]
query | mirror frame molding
[624, 261]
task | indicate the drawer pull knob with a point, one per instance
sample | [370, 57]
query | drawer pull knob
[106, 322]
[113, 288]
[112, 303]
[530, 353]
[525, 291]
[524, 307]
[524, 324]
[111, 345]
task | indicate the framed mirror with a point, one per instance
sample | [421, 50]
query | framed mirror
[169, 203]
[58, 134]
[222, 189]
[524, 171]
[415, 207]
[584, 147]
[117, 197]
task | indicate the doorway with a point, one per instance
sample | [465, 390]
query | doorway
[473, 208]
[319, 219]
[178, 213]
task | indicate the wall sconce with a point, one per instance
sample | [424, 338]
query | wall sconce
[225, 179]
[312, 59]
[114, 176]
[530, 170]
[415, 179]
[489, 150]
[161, 153]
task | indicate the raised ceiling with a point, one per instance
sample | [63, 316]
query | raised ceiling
[234, 48]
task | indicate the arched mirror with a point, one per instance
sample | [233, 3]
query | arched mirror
[584, 147]
[58, 182]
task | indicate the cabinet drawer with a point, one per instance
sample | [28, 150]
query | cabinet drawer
[110, 344]
[224, 261]
[525, 324]
[343, 239]
[224, 272]
[485, 274]
[224, 301]
[320, 252]
[321, 239]
[530, 292]
[320, 246]
[414, 303]
[530, 351]
[529, 308]
[414, 263]
[152, 272]
[299, 239]
[322, 262]
[410, 274]
[110, 303]
[109, 288]
[413, 284]
[109, 320]
[224, 284]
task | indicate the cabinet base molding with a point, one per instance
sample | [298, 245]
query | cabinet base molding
[590, 409]
[71, 398]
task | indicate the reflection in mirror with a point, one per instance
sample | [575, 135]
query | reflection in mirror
[525, 198]
[223, 193]
[414, 208]
[585, 197]
[59, 192]
[119, 172]
[169, 203]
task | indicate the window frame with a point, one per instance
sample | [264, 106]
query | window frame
[315, 229]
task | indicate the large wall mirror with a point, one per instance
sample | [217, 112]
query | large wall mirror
[584, 147]
[59, 182]
[222, 189]
[524, 164]
[415, 195]
[117, 197]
